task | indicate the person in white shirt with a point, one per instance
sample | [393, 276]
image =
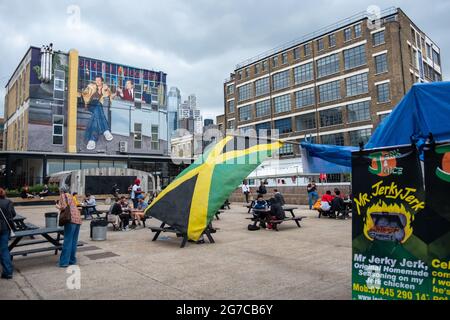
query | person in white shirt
[245, 190]
[136, 193]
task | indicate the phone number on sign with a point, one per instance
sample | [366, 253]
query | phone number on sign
[391, 293]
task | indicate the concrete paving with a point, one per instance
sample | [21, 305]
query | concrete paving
[312, 262]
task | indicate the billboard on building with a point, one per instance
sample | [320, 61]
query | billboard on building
[119, 108]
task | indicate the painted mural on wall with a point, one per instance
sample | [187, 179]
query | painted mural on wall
[118, 108]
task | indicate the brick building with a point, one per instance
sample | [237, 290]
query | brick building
[334, 85]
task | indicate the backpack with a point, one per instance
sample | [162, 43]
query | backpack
[252, 227]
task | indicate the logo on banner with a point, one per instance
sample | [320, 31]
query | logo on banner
[385, 163]
[444, 172]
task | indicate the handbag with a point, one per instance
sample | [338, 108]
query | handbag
[11, 234]
[65, 215]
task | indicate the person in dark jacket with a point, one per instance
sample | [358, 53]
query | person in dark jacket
[337, 204]
[9, 213]
[279, 197]
[276, 210]
[262, 189]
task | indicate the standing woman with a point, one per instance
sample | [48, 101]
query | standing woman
[9, 213]
[71, 230]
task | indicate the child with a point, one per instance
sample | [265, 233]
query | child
[260, 204]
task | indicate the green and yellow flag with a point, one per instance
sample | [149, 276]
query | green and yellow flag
[190, 202]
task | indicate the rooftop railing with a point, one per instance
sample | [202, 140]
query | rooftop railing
[310, 36]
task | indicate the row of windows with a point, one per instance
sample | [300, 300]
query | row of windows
[353, 57]
[356, 112]
[331, 91]
[355, 137]
[349, 34]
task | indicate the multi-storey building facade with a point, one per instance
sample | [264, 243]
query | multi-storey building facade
[333, 86]
[67, 112]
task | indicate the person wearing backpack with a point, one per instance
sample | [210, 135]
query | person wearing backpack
[7, 214]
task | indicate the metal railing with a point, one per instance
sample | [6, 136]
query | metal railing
[310, 36]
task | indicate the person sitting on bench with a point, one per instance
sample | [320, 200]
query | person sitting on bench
[25, 194]
[138, 214]
[337, 204]
[90, 204]
[279, 197]
[260, 204]
[325, 204]
[276, 210]
[45, 192]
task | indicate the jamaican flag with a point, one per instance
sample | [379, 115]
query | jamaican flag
[190, 202]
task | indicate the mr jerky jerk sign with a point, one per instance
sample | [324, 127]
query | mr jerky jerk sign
[388, 198]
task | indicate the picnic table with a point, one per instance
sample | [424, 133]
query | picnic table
[20, 224]
[51, 235]
[262, 218]
[180, 234]
[85, 210]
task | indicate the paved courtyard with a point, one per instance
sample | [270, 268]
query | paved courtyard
[313, 262]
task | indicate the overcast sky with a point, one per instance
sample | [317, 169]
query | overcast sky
[196, 42]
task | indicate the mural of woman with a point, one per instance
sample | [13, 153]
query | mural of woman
[96, 96]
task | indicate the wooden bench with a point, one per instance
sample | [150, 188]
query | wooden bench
[276, 222]
[45, 233]
[178, 233]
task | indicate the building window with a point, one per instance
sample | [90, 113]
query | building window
[155, 138]
[357, 31]
[230, 89]
[257, 68]
[306, 122]
[328, 65]
[436, 57]
[381, 63]
[320, 46]
[266, 126]
[304, 98]
[332, 40]
[357, 85]
[264, 65]
[283, 125]
[284, 58]
[138, 135]
[429, 55]
[274, 61]
[330, 91]
[355, 57]
[247, 72]
[296, 52]
[287, 149]
[245, 113]
[359, 136]
[245, 92]
[383, 92]
[262, 108]
[282, 104]
[280, 80]
[261, 87]
[239, 76]
[347, 34]
[231, 124]
[303, 73]
[231, 106]
[307, 49]
[336, 139]
[59, 85]
[358, 111]
[378, 38]
[58, 130]
[330, 117]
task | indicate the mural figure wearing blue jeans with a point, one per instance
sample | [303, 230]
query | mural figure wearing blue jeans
[96, 96]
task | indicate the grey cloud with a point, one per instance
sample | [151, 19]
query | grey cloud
[198, 42]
